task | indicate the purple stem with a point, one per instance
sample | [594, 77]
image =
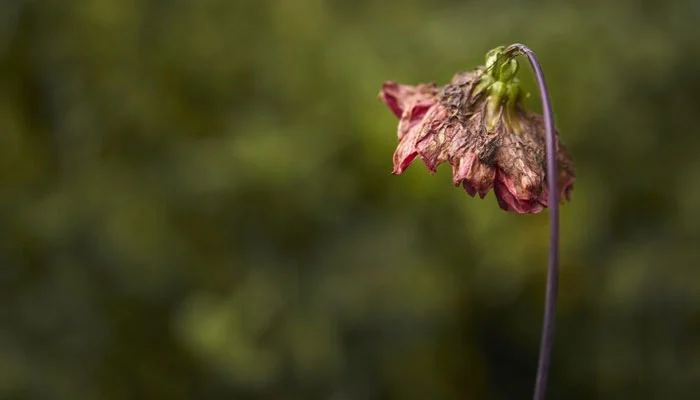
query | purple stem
[550, 306]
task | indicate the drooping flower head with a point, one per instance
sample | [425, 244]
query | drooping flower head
[478, 123]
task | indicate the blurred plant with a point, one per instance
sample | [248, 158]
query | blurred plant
[480, 125]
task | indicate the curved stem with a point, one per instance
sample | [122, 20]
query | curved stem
[550, 306]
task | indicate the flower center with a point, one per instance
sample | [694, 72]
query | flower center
[502, 89]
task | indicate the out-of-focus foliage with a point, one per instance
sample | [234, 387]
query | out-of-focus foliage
[196, 204]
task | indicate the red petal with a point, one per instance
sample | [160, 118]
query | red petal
[399, 97]
[475, 176]
[508, 200]
[403, 156]
[413, 116]
[390, 96]
[411, 127]
[433, 137]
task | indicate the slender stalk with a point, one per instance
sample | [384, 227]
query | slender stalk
[550, 305]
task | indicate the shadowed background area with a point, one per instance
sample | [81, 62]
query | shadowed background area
[196, 203]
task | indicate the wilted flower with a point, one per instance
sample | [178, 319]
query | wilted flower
[479, 124]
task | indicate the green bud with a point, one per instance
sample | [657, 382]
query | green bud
[484, 83]
[508, 70]
[493, 108]
[493, 59]
[513, 94]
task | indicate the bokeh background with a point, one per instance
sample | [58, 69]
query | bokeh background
[196, 203]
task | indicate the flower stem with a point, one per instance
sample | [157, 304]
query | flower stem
[550, 305]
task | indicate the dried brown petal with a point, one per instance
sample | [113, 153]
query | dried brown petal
[473, 175]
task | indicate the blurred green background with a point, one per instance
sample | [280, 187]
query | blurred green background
[196, 203]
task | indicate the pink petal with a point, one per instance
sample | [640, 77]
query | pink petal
[413, 116]
[390, 94]
[410, 129]
[509, 201]
[474, 176]
[399, 97]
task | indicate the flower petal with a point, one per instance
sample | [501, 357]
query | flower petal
[473, 175]
[508, 201]
[399, 97]
[520, 160]
[413, 116]
[435, 136]
[410, 131]
[533, 125]
[403, 156]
